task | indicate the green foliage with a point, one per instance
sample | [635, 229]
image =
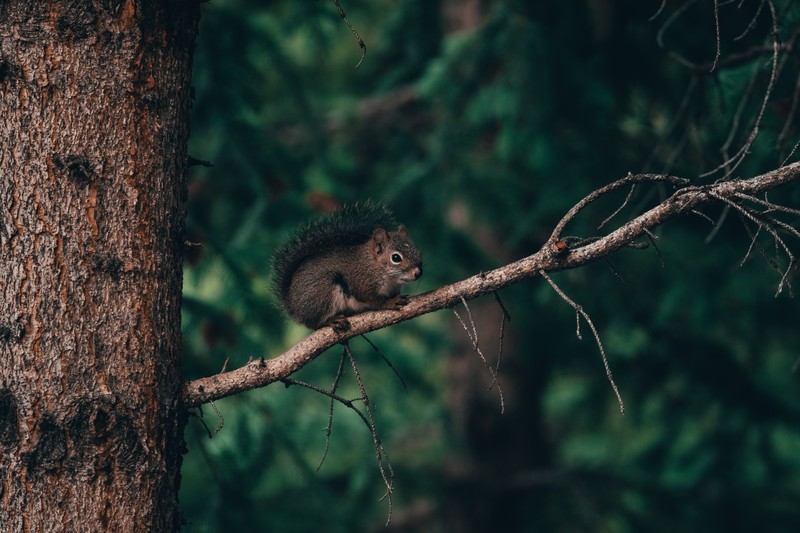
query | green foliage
[480, 138]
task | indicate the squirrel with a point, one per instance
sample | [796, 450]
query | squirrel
[345, 263]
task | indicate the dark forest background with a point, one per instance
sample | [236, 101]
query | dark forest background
[480, 123]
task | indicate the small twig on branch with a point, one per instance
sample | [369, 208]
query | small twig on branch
[502, 306]
[354, 31]
[653, 237]
[732, 163]
[581, 312]
[757, 245]
[753, 243]
[329, 425]
[473, 337]
[753, 217]
[549, 258]
[703, 216]
[503, 319]
[719, 42]
[620, 208]
[221, 422]
[387, 361]
[737, 116]
[193, 162]
[615, 271]
[769, 205]
[630, 179]
[381, 456]
[752, 21]
[385, 468]
[199, 416]
[496, 380]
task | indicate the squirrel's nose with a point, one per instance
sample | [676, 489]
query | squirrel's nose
[417, 272]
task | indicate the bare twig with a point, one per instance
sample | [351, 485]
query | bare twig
[703, 216]
[319, 390]
[791, 152]
[580, 312]
[193, 162]
[752, 21]
[731, 164]
[653, 237]
[221, 422]
[620, 208]
[503, 317]
[199, 416]
[738, 59]
[749, 214]
[353, 30]
[384, 466]
[502, 306]
[753, 241]
[473, 337]
[719, 42]
[614, 270]
[387, 361]
[755, 244]
[771, 207]
[381, 457]
[630, 179]
[333, 398]
[658, 12]
[737, 116]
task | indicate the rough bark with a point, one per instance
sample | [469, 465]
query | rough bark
[550, 258]
[94, 100]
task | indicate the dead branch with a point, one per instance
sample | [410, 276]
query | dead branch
[553, 256]
[472, 333]
[353, 30]
[732, 163]
[581, 312]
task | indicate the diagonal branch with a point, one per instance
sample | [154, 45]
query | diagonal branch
[550, 258]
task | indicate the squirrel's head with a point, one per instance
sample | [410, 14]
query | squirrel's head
[398, 255]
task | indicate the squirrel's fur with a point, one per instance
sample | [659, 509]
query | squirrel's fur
[344, 263]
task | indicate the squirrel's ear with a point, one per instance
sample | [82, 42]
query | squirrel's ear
[380, 239]
[401, 230]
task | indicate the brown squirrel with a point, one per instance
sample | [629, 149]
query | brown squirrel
[345, 263]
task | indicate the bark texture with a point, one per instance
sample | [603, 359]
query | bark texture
[94, 100]
[550, 258]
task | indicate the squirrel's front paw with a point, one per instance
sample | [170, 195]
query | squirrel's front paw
[339, 323]
[397, 302]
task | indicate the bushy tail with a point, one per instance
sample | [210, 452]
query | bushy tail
[349, 225]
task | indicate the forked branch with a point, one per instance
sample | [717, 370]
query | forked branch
[553, 256]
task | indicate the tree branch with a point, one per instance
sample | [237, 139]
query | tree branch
[553, 256]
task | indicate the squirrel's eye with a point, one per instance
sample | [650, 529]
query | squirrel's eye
[396, 258]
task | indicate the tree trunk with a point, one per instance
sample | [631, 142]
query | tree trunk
[94, 101]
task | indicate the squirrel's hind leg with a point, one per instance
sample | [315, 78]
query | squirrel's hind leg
[396, 303]
[339, 323]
